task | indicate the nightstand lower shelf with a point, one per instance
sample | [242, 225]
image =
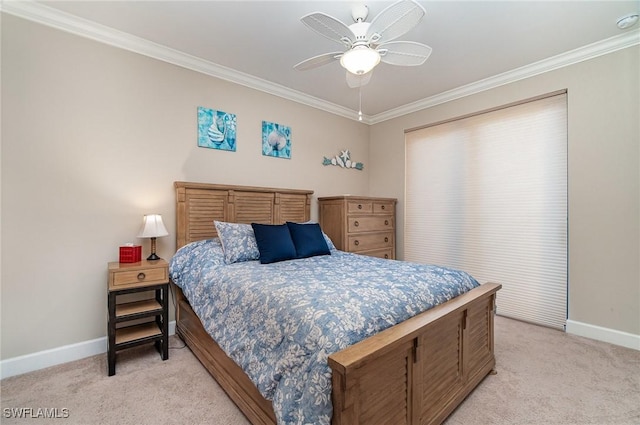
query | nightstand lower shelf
[142, 333]
[132, 310]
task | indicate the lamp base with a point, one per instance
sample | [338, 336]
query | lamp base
[153, 255]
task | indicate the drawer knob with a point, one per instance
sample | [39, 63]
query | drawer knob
[386, 222]
[359, 206]
[355, 223]
[386, 239]
[386, 256]
[382, 207]
[141, 276]
[356, 243]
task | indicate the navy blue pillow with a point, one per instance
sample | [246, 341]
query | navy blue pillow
[308, 239]
[274, 242]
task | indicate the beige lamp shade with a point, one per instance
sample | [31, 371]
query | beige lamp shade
[152, 227]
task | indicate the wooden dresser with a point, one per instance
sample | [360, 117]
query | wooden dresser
[360, 224]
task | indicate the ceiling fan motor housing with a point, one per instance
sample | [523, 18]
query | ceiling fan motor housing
[359, 30]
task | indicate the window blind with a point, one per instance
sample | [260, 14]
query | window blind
[488, 194]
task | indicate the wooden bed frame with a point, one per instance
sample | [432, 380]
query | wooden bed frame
[416, 372]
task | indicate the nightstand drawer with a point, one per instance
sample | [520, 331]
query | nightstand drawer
[359, 207]
[369, 223]
[147, 276]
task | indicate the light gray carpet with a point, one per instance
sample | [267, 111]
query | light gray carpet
[544, 377]
[548, 377]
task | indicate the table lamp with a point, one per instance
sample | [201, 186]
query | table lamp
[152, 227]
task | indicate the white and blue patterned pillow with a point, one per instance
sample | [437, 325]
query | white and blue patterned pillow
[329, 242]
[238, 242]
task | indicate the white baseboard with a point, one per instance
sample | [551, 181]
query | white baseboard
[611, 336]
[68, 353]
[55, 356]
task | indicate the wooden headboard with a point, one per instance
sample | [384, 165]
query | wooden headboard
[199, 204]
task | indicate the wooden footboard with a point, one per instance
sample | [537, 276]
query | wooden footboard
[420, 370]
[416, 372]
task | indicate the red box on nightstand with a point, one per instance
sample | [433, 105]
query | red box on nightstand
[130, 254]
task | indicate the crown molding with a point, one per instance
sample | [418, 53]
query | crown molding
[571, 57]
[78, 26]
[54, 18]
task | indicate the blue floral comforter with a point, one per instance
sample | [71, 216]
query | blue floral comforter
[281, 321]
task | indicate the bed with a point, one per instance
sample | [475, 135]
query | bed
[414, 372]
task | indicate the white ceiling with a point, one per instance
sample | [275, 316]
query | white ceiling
[472, 41]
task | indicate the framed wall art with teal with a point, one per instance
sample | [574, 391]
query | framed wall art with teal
[216, 129]
[276, 140]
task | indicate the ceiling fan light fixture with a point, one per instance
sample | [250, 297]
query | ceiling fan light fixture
[360, 60]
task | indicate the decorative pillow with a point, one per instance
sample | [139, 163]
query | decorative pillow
[308, 239]
[238, 242]
[274, 242]
[327, 239]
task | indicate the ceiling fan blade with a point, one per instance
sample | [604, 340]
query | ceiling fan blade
[317, 61]
[394, 21]
[329, 27]
[354, 81]
[404, 53]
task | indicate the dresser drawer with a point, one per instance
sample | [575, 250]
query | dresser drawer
[387, 254]
[370, 223]
[383, 208]
[354, 207]
[147, 276]
[368, 241]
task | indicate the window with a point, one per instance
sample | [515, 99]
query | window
[488, 194]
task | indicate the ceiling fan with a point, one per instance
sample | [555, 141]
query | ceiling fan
[369, 43]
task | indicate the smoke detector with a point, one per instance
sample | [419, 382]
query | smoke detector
[627, 21]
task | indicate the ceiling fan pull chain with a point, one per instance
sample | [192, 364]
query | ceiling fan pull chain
[360, 103]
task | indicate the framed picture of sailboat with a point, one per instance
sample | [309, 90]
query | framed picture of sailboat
[216, 129]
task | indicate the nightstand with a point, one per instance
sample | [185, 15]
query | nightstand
[133, 323]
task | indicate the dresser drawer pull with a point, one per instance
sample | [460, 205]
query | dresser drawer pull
[359, 206]
[355, 223]
[356, 242]
[382, 207]
[141, 276]
[386, 222]
[386, 239]
[386, 256]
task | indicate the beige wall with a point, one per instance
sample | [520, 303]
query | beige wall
[93, 137]
[604, 177]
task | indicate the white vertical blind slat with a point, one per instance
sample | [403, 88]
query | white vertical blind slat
[488, 194]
